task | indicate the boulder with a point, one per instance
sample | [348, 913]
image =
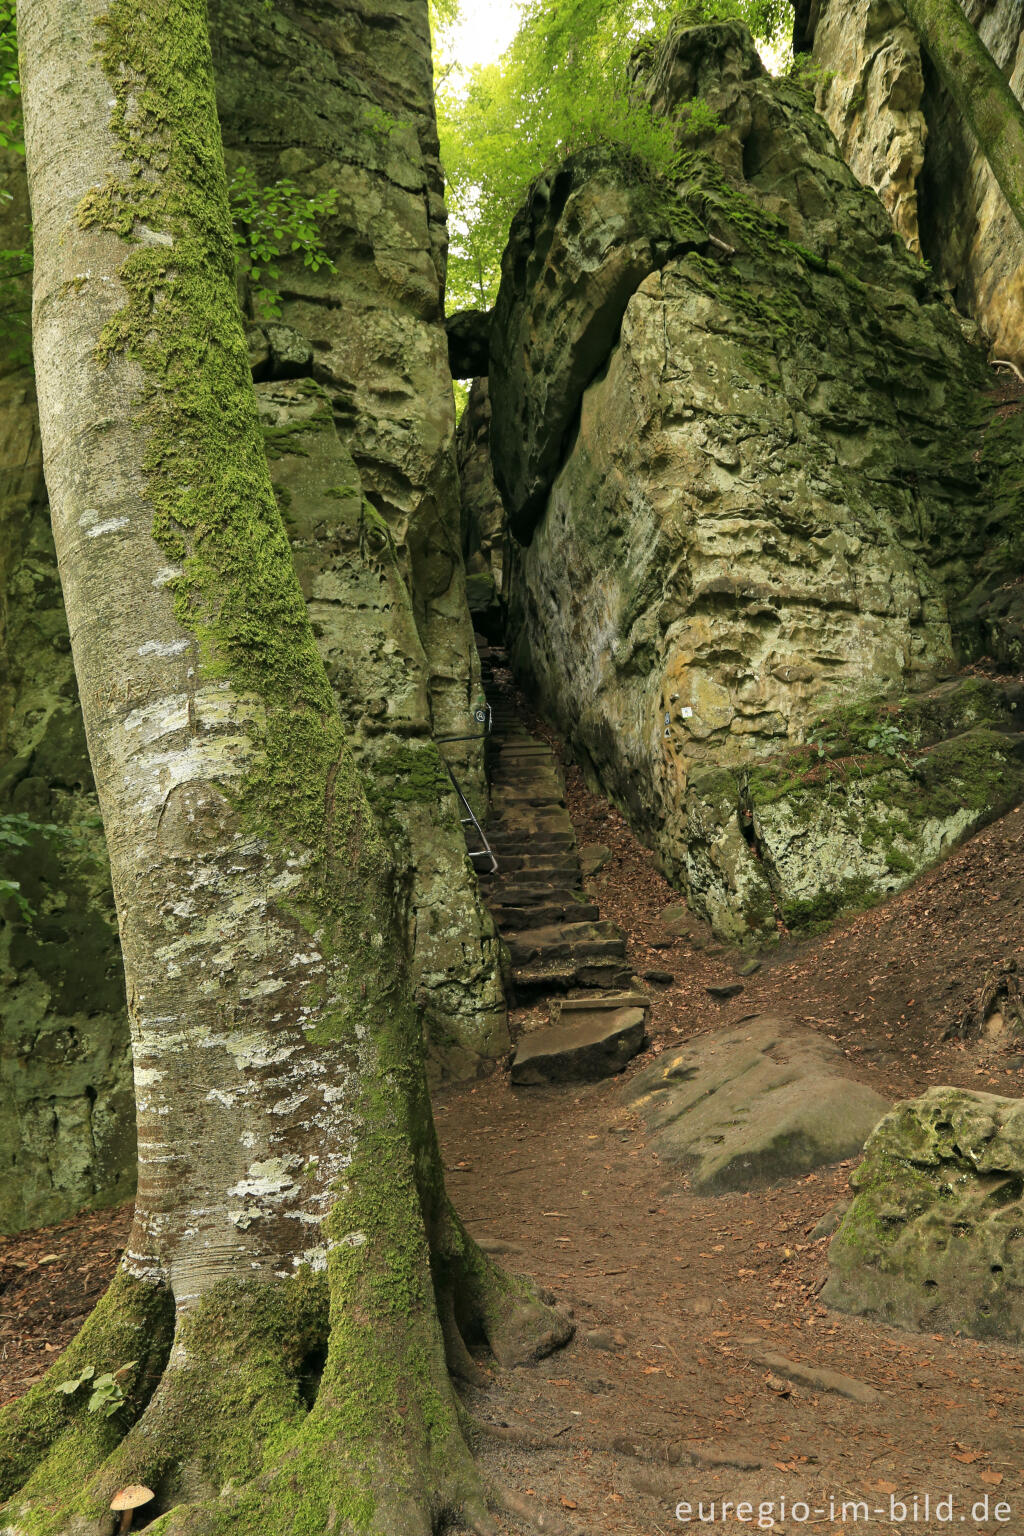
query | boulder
[586, 1044]
[933, 1239]
[763, 1101]
[593, 858]
[469, 340]
[739, 525]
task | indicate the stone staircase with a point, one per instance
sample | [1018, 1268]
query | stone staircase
[556, 939]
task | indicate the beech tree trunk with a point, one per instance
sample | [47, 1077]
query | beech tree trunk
[291, 1215]
[979, 88]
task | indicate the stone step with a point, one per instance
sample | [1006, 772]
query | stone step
[580, 940]
[545, 821]
[559, 975]
[581, 1047]
[512, 919]
[520, 891]
[533, 842]
[542, 866]
[515, 794]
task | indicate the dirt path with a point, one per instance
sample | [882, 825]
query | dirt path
[664, 1395]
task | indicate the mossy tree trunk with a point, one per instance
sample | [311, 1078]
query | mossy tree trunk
[979, 89]
[291, 1214]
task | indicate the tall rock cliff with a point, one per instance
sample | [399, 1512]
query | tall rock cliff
[343, 99]
[903, 136]
[736, 431]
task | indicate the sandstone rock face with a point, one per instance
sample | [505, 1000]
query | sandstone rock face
[903, 136]
[763, 1101]
[578, 250]
[346, 102]
[375, 325]
[67, 1113]
[870, 93]
[933, 1238]
[765, 497]
[366, 630]
[483, 512]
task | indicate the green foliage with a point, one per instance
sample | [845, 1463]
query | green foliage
[17, 831]
[562, 86]
[11, 130]
[271, 223]
[106, 1394]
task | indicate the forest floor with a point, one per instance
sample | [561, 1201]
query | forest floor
[663, 1397]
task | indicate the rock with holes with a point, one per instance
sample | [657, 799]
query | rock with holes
[762, 1101]
[935, 1236]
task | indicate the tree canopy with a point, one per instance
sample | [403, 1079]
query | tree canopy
[562, 85]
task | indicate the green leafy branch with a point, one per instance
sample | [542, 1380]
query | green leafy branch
[11, 129]
[106, 1393]
[18, 831]
[273, 223]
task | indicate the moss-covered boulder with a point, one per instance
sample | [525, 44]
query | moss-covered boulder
[879, 792]
[935, 1236]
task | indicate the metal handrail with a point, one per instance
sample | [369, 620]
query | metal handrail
[483, 716]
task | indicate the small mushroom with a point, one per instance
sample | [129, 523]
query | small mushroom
[127, 1500]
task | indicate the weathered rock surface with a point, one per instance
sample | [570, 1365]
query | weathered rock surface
[763, 1101]
[578, 251]
[380, 354]
[347, 103]
[903, 136]
[67, 1113]
[933, 1238]
[366, 630]
[585, 1044]
[483, 514]
[744, 522]
[880, 793]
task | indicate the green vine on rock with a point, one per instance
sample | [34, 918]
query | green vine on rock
[271, 223]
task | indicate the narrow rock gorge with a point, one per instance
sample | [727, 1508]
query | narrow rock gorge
[903, 136]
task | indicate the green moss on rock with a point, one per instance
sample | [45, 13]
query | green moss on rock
[933, 1237]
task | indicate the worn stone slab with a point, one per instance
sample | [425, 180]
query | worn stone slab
[762, 1101]
[594, 1044]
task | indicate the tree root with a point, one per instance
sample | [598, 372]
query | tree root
[524, 1514]
[510, 1434]
[133, 1323]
